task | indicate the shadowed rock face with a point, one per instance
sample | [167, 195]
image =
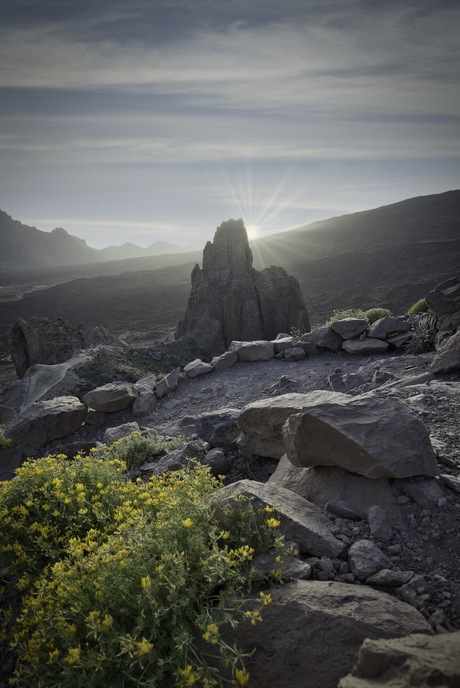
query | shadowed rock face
[230, 300]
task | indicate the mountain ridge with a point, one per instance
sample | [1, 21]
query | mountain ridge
[388, 257]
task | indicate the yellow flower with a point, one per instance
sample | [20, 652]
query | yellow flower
[241, 677]
[73, 658]
[254, 617]
[224, 534]
[266, 598]
[143, 647]
[189, 678]
[267, 509]
[187, 522]
[52, 657]
[272, 522]
[211, 634]
[145, 582]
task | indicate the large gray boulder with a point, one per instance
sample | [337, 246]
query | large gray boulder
[416, 660]
[44, 341]
[370, 435]
[330, 485]
[230, 300]
[45, 421]
[301, 521]
[115, 396]
[261, 422]
[198, 367]
[312, 631]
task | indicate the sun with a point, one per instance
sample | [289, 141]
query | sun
[252, 231]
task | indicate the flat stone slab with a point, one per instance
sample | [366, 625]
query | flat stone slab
[259, 350]
[301, 521]
[368, 345]
[370, 435]
[198, 367]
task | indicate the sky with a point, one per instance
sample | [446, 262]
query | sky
[149, 120]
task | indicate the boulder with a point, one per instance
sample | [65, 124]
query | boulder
[368, 345]
[447, 357]
[179, 458]
[350, 328]
[45, 421]
[144, 404]
[301, 521]
[198, 367]
[385, 327]
[370, 435]
[253, 351]
[219, 428]
[366, 559]
[225, 360]
[323, 338]
[111, 435]
[312, 631]
[379, 525]
[115, 396]
[146, 384]
[230, 300]
[168, 383]
[444, 299]
[331, 485]
[218, 461]
[425, 493]
[416, 660]
[40, 340]
[282, 342]
[296, 353]
[44, 341]
[261, 422]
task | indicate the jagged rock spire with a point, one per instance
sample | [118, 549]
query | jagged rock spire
[231, 300]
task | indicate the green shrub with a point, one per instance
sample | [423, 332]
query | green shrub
[424, 336]
[135, 449]
[346, 313]
[373, 314]
[126, 576]
[419, 306]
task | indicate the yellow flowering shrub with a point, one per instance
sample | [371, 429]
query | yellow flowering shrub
[119, 579]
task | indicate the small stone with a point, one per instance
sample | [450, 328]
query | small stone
[442, 502]
[403, 499]
[326, 564]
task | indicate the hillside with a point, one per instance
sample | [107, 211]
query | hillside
[390, 256]
[24, 247]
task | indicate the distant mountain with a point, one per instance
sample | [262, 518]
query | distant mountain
[130, 250]
[22, 246]
[389, 257]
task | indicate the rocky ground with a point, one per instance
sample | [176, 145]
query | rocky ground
[427, 543]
